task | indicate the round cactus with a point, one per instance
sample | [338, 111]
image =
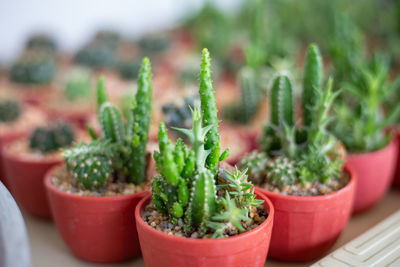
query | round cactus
[42, 41]
[96, 55]
[256, 164]
[52, 137]
[154, 44]
[34, 67]
[9, 110]
[78, 84]
[281, 171]
[128, 69]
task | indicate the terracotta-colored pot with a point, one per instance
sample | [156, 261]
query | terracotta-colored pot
[161, 249]
[96, 229]
[4, 139]
[25, 178]
[306, 227]
[374, 171]
[396, 179]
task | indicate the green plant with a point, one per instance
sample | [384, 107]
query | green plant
[299, 154]
[128, 69]
[52, 137]
[152, 44]
[34, 67]
[256, 163]
[9, 110]
[187, 185]
[251, 95]
[121, 150]
[360, 120]
[78, 84]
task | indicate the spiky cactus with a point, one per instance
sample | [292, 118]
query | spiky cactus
[52, 137]
[312, 81]
[34, 67]
[187, 186]
[9, 110]
[43, 42]
[91, 164]
[123, 142]
[292, 147]
[256, 164]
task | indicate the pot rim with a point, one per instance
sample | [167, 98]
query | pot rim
[381, 150]
[197, 241]
[52, 188]
[347, 187]
[21, 159]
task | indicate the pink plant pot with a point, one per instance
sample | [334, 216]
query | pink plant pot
[396, 179]
[306, 227]
[374, 171]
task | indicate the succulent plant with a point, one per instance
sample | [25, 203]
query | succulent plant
[301, 154]
[128, 69]
[187, 185]
[78, 84]
[121, 150]
[96, 55]
[256, 165]
[52, 137]
[34, 67]
[360, 119]
[9, 110]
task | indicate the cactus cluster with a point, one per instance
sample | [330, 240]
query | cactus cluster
[43, 42]
[187, 186]
[256, 163]
[78, 84]
[9, 110]
[52, 137]
[34, 67]
[300, 154]
[121, 152]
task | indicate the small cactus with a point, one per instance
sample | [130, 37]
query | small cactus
[91, 164]
[281, 171]
[187, 186]
[52, 137]
[96, 55]
[128, 69]
[78, 84]
[256, 164]
[305, 153]
[43, 42]
[9, 111]
[153, 44]
[121, 150]
[34, 67]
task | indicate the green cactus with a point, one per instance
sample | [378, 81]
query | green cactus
[96, 55]
[34, 67]
[187, 186]
[9, 110]
[312, 81]
[52, 137]
[301, 154]
[153, 44]
[43, 42]
[281, 171]
[78, 84]
[128, 69]
[124, 142]
[256, 164]
[91, 164]
[209, 112]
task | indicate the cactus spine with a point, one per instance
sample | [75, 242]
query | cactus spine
[312, 82]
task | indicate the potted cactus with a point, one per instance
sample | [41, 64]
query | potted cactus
[300, 168]
[74, 102]
[202, 213]
[362, 126]
[93, 195]
[16, 120]
[33, 73]
[26, 161]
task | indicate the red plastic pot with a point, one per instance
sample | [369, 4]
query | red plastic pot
[25, 178]
[306, 227]
[396, 179]
[96, 229]
[161, 249]
[374, 171]
[4, 139]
